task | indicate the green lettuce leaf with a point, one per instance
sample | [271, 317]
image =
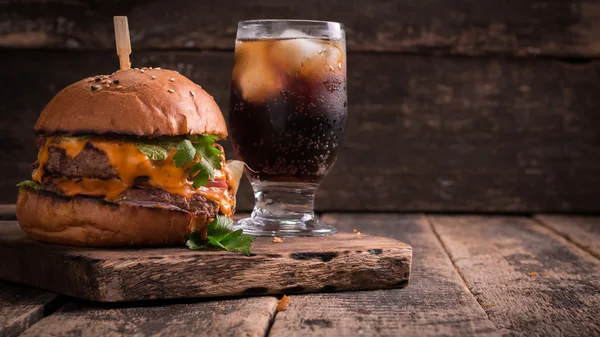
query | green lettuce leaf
[29, 184]
[153, 151]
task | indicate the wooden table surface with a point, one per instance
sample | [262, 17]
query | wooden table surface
[472, 275]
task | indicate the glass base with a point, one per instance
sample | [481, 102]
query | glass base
[266, 227]
[284, 209]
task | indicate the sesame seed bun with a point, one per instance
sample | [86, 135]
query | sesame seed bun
[134, 102]
[81, 221]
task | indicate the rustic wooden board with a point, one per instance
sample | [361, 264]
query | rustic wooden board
[529, 280]
[430, 133]
[437, 302]
[21, 307]
[345, 261]
[584, 231]
[241, 317]
[535, 27]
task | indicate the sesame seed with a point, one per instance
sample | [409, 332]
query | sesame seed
[172, 79]
[136, 68]
[103, 81]
[107, 85]
[142, 71]
[340, 66]
[153, 76]
[98, 87]
[120, 87]
[331, 67]
[200, 86]
[191, 92]
[176, 71]
[171, 90]
[157, 68]
[150, 68]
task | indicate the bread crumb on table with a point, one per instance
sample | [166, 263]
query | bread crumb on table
[534, 274]
[277, 240]
[283, 303]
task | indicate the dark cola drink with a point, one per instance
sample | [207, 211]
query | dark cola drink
[288, 107]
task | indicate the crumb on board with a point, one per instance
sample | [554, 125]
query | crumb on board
[534, 274]
[283, 303]
[277, 240]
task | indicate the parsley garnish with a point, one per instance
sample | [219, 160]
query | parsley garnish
[221, 236]
[197, 149]
[29, 184]
[201, 146]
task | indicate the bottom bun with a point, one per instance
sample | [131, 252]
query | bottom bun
[81, 221]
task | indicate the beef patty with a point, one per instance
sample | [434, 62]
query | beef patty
[93, 163]
[196, 204]
[89, 163]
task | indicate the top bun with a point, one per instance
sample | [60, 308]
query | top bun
[147, 103]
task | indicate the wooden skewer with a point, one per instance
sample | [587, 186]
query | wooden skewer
[123, 42]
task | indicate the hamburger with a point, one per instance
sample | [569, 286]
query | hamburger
[128, 159]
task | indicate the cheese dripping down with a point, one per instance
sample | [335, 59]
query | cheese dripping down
[130, 163]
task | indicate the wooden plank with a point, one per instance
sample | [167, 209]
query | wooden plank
[238, 317]
[529, 280]
[584, 231]
[345, 261]
[8, 212]
[21, 307]
[468, 27]
[457, 134]
[436, 302]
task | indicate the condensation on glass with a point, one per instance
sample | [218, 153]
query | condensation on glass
[287, 118]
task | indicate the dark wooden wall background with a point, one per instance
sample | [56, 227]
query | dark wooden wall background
[455, 105]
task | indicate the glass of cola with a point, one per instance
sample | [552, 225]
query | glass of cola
[287, 118]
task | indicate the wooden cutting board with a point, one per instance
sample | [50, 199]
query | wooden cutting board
[344, 261]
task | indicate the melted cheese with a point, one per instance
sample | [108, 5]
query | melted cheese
[72, 146]
[129, 163]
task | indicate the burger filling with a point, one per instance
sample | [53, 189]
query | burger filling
[188, 173]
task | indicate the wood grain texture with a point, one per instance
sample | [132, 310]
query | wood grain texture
[468, 27]
[21, 307]
[345, 261]
[8, 212]
[529, 280]
[424, 133]
[238, 317]
[435, 303]
[582, 230]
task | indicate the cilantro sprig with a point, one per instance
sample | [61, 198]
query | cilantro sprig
[201, 147]
[197, 149]
[220, 235]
